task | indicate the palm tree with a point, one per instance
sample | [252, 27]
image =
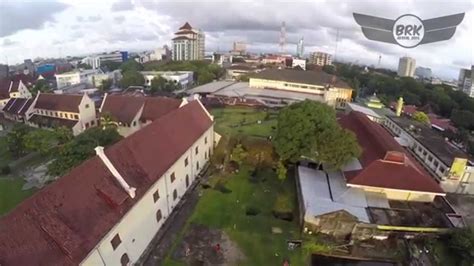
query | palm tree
[108, 121]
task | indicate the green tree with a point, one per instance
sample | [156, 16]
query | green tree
[16, 140]
[63, 134]
[238, 154]
[108, 121]
[204, 77]
[281, 171]
[297, 126]
[40, 86]
[40, 140]
[105, 85]
[131, 65]
[111, 65]
[421, 117]
[463, 119]
[81, 148]
[461, 242]
[158, 83]
[132, 78]
[309, 129]
[330, 69]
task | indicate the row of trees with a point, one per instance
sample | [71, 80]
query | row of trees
[440, 99]
[204, 72]
[59, 144]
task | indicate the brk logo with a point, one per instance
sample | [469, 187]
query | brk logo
[408, 30]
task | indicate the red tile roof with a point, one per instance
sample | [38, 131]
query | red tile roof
[124, 108]
[17, 106]
[5, 88]
[59, 102]
[63, 222]
[385, 163]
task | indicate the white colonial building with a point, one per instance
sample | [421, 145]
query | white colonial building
[107, 210]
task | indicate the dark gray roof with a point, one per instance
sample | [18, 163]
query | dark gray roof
[298, 76]
[430, 139]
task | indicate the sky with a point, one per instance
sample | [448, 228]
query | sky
[47, 28]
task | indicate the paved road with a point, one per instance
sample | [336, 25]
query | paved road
[164, 239]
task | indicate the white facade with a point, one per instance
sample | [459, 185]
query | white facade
[320, 59]
[185, 78]
[95, 60]
[20, 92]
[299, 62]
[76, 77]
[138, 227]
[406, 67]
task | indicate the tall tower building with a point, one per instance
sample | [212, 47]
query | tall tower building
[300, 48]
[188, 44]
[320, 59]
[406, 67]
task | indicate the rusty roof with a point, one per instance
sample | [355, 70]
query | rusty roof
[59, 102]
[63, 222]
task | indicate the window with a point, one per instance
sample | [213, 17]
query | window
[430, 158]
[87, 125]
[175, 194]
[76, 116]
[156, 196]
[87, 106]
[92, 122]
[196, 150]
[209, 152]
[197, 166]
[205, 155]
[70, 116]
[187, 180]
[419, 149]
[172, 177]
[158, 216]
[205, 140]
[425, 153]
[186, 161]
[116, 241]
[61, 115]
[124, 260]
[442, 169]
[134, 123]
[436, 163]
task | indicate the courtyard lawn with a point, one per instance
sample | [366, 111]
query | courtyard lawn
[11, 193]
[244, 121]
[253, 234]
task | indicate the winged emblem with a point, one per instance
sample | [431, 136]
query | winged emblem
[435, 29]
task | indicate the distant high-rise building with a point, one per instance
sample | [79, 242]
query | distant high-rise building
[4, 70]
[300, 48]
[406, 67]
[466, 81]
[320, 59]
[188, 44]
[423, 72]
[95, 61]
[463, 74]
[29, 67]
[239, 47]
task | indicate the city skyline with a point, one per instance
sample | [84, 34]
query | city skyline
[59, 29]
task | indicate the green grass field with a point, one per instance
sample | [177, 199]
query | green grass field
[244, 121]
[253, 234]
[11, 193]
[5, 157]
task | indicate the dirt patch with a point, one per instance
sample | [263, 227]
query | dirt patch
[204, 246]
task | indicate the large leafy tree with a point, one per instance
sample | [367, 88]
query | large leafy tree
[42, 141]
[16, 140]
[309, 129]
[82, 148]
[131, 65]
[421, 117]
[132, 78]
[461, 242]
[105, 85]
[40, 86]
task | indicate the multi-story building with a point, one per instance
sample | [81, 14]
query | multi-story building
[184, 78]
[296, 62]
[423, 73]
[76, 112]
[95, 61]
[76, 77]
[406, 67]
[131, 113]
[188, 44]
[466, 81]
[18, 109]
[107, 210]
[334, 92]
[320, 59]
[300, 48]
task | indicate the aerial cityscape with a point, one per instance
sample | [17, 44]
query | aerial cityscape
[236, 133]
